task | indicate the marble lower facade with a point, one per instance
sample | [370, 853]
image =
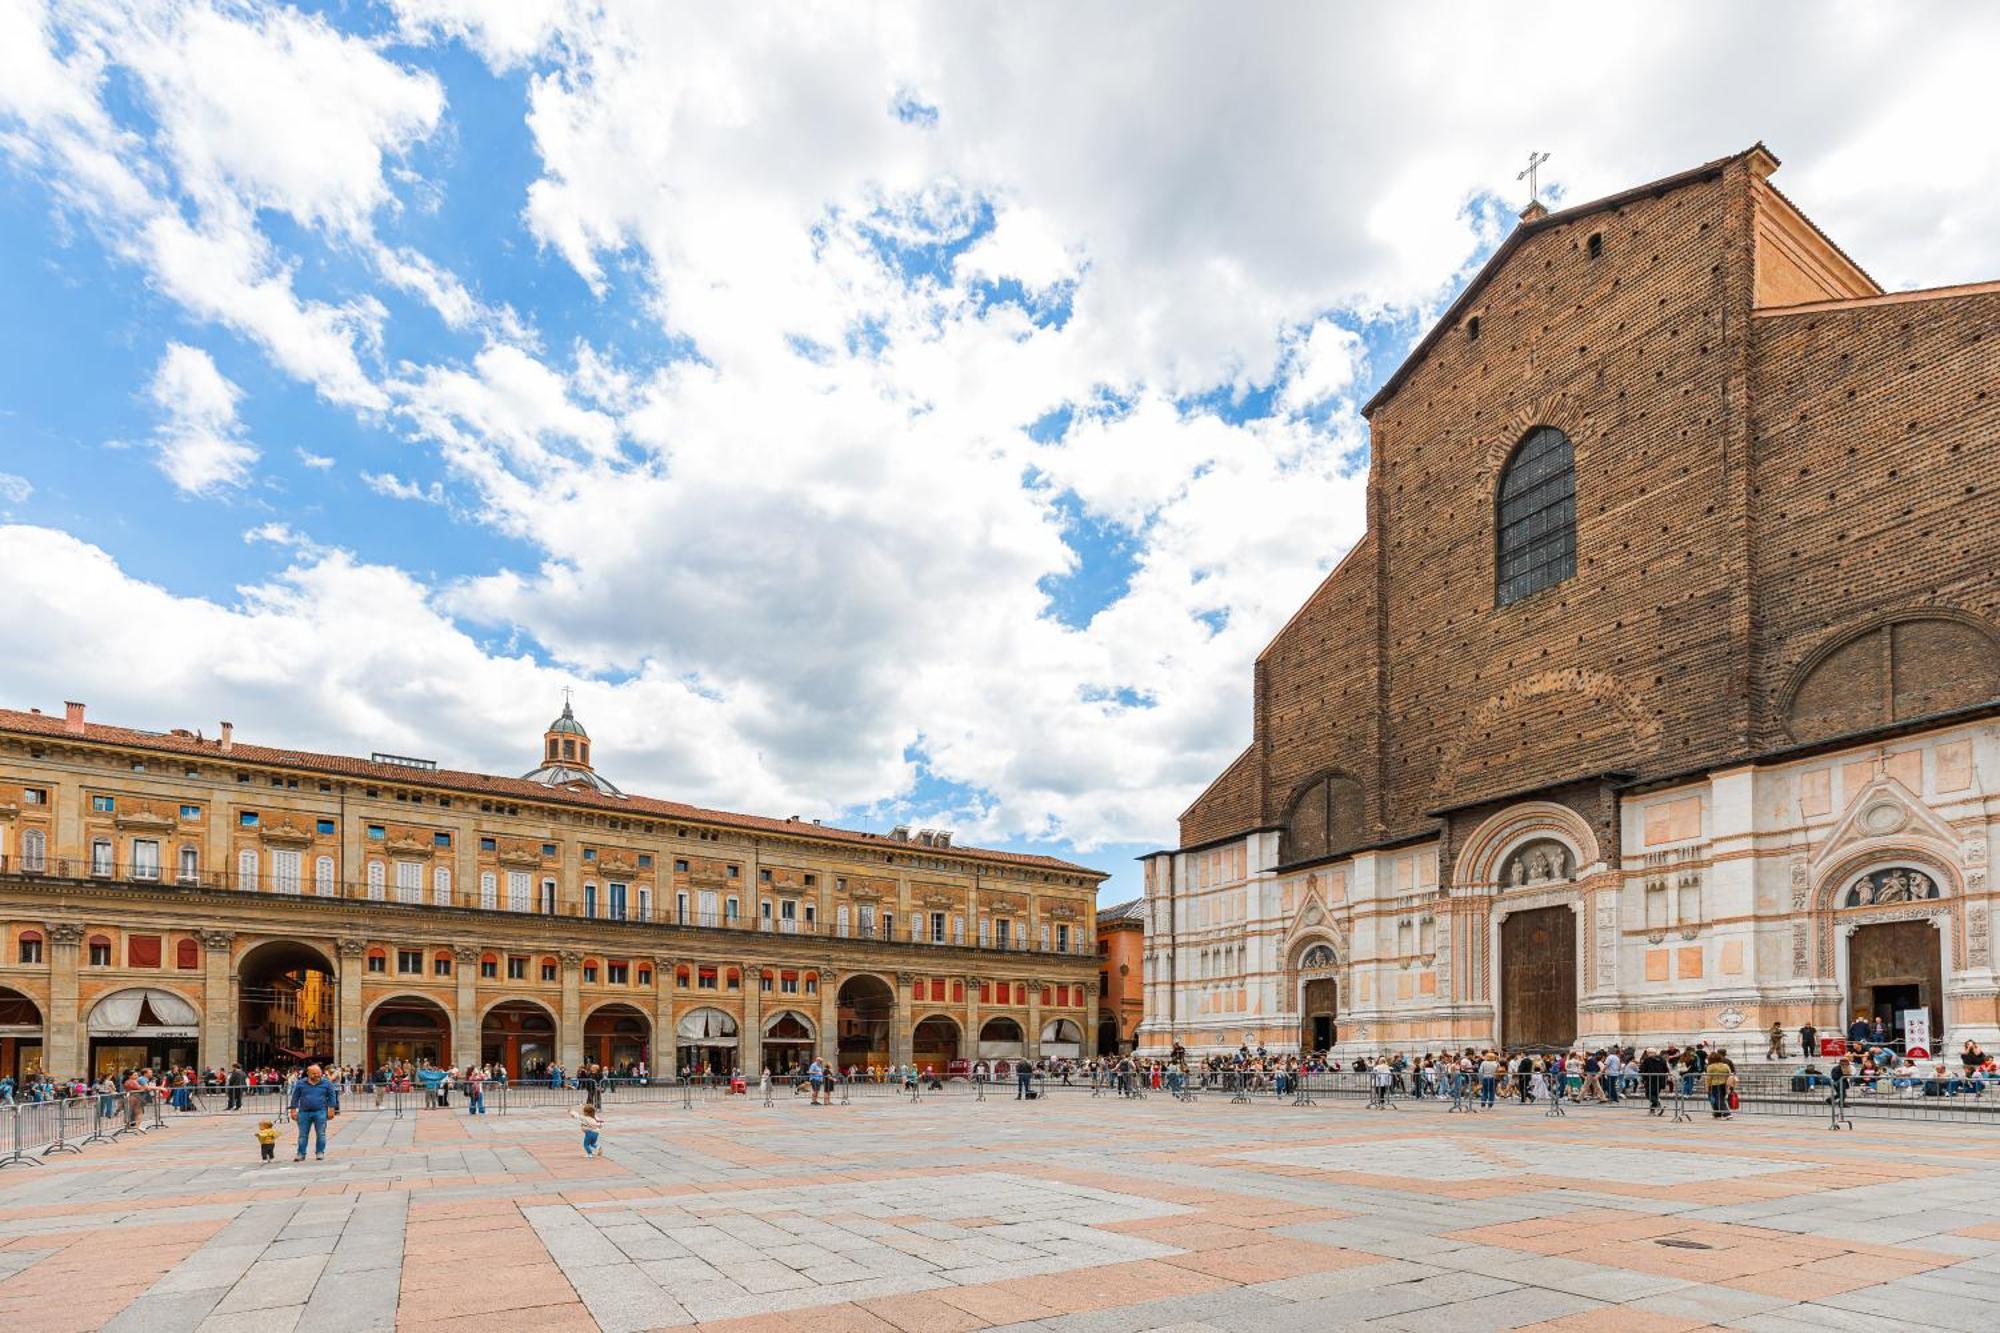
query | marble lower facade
[1796, 890]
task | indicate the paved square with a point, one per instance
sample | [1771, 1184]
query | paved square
[1072, 1213]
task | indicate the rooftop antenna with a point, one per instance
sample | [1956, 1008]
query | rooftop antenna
[1535, 161]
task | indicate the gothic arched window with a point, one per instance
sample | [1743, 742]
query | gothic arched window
[1535, 529]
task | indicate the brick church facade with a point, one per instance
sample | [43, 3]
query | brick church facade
[1660, 698]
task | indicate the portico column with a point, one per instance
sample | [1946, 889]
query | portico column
[62, 1038]
[219, 988]
[465, 1037]
[1032, 1038]
[353, 1034]
[829, 1015]
[969, 1037]
[663, 1058]
[900, 1042]
[569, 1041]
[750, 1041]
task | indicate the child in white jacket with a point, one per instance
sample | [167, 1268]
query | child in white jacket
[593, 1125]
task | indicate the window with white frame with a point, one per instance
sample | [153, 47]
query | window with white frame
[548, 897]
[489, 890]
[441, 886]
[145, 858]
[190, 865]
[323, 877]
[246, 870]
[34, 850]
[378, 879]
[285, 868]
[100, 856]
[840, 920]
[937, 927]
[409, 882]
[518, 891]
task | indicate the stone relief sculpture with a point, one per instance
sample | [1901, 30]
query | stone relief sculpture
[1895, 885]
[1541, 862]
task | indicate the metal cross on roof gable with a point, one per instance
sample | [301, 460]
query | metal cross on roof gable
[1535, 161]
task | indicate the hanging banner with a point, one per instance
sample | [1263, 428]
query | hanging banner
[1917, 1033]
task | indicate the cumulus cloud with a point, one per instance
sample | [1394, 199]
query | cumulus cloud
[939, 391]
[200, 441]
[15, 490]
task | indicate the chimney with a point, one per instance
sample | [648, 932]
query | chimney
[73, 717]
[228, 737]
[1534, 212]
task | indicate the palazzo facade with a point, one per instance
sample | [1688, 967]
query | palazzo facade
[1659, 699]
[171, 897]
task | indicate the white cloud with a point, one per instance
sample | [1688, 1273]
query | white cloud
[200, 441]
[782, 486]
[15, 490]
[317, 462]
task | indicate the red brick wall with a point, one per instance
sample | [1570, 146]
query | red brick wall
[1871, 490]
[1877, 472]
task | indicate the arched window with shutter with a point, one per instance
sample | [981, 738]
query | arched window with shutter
[1535, 527]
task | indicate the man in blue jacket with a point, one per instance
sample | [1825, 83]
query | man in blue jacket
[314, 1101]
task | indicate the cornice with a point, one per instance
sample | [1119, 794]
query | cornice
[173, 906]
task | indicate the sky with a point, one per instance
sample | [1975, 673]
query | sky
[890, 415]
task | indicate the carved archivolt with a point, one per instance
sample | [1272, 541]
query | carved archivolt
[1921, 883]
[1528, 836]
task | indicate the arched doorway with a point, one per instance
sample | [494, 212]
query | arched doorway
[934, 1044]
[705, 1042]
[1062, 1039]
[867, 1017]
[519, 1036]
[789, 1040]
[20, 1034]
[144, 1027]
[409, 1029]
[287, 1003]
[1319, 1000]
[1002, 1039]
[1538, 992]
[618, 1037]
[1107, 1037]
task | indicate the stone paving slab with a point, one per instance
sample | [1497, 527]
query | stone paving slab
[1073, 1214]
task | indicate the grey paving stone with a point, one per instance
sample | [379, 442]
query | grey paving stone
[621, 1298]
[1312, 1286]
[166, 1312]
[1716, 1304]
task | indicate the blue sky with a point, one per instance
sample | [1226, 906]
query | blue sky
[872, 417]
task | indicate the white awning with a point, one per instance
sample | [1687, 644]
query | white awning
[118, 1014]
[706, 1027]
[771, 1023]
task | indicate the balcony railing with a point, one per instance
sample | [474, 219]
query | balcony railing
[914, 933]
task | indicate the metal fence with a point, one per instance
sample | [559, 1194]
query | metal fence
[33, 1131]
